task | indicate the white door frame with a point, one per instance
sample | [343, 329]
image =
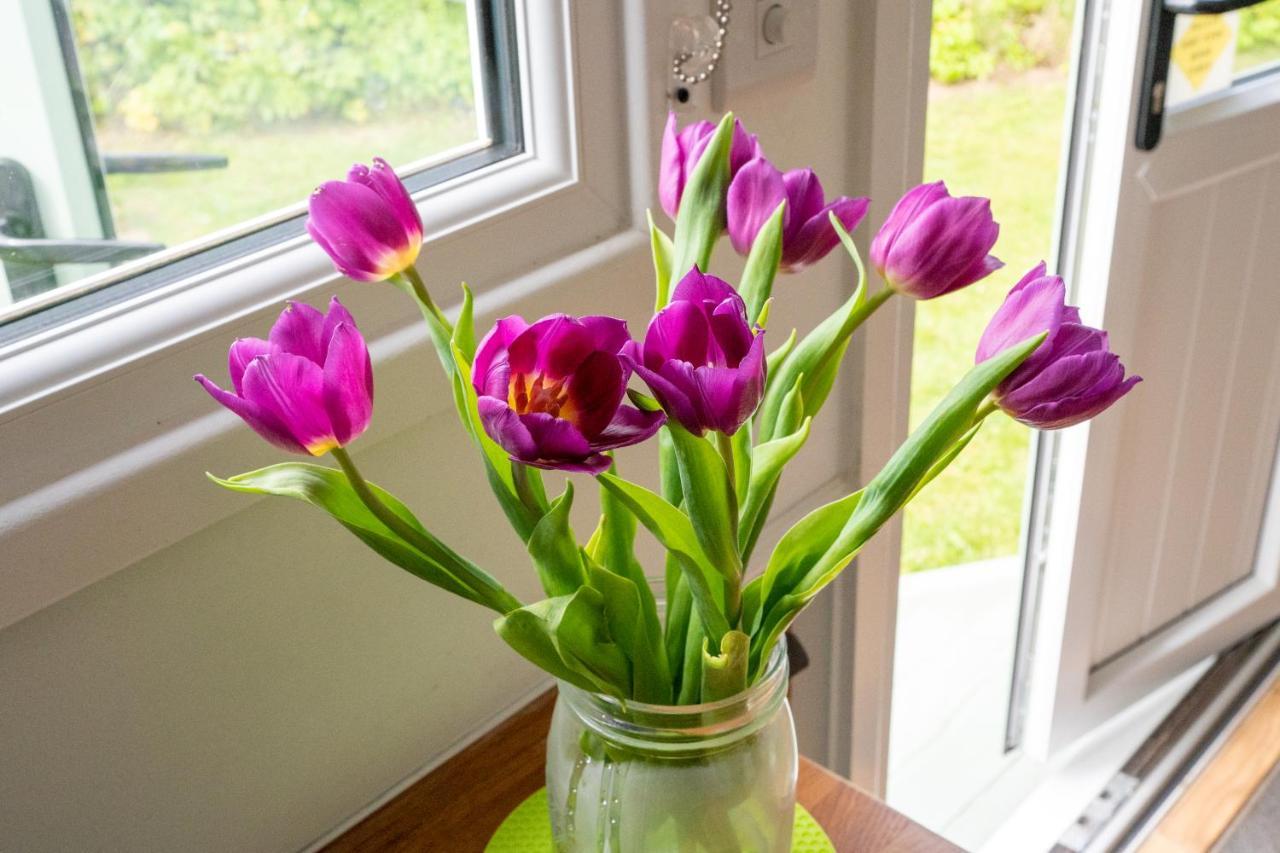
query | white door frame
[895, 36]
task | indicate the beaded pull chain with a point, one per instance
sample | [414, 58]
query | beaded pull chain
[721, 18]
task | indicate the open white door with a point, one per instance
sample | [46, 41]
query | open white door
[1161, 543]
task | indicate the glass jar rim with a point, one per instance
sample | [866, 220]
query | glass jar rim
[646, 726]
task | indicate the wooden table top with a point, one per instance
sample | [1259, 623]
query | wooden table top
[457, 807]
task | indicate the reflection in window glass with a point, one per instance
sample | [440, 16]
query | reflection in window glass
[1258, 43]
[160, 122]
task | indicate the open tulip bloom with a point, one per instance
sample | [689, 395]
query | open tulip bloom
[563, 392]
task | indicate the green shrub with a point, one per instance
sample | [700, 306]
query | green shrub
[1259, 29]
[974, 38]
[197, 65]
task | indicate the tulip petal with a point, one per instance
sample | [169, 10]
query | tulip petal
[261, 422]
[730, 335]
[629, 426]
[805, 198]
[910, 206]
[383, 180]
[677, 332]
[942, 246]
[608, 334]
[505, 427]
[670, 169]
[595, 463]
[337, 315]
[243, 351]
[299, 332]
[1041, 270]
[348, 384]
[754, 194]
[290, 389]
[1036, 308]
[815, 238]
[1066, 377]
[556, 438]
[1059, 414]
[698, 287]
[675, 392]
[594, 392]
[489, 371]
[552, 347]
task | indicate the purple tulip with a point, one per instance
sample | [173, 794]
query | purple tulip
[682, 149]
[932, 244]
[807, 233]
[551, 393]
[701, 359]
[1072, 377]
[367, 224]
[308, 388]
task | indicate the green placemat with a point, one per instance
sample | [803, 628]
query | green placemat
[528, 830]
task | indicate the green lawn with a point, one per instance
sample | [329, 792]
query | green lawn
[269, 168]
[999, 139]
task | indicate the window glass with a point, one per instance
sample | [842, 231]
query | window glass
[1258, 42]
[141, 125]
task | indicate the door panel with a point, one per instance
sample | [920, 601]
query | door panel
[1157, 551]
[1193, 498]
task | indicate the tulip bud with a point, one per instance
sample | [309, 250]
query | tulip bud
[367, 224]
[932, 244]
[308, 388]
[700, 358]
[1072, 377]
[682, 149]
[807, 234]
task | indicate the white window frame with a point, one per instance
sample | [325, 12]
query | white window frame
[99, 412]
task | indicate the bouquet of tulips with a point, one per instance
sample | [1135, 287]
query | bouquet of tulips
[562, 392]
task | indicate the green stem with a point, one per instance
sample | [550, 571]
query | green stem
[525, 490]
[873, 302]
[420, 292]
[497, 597]
[725, 445]
[988, 406]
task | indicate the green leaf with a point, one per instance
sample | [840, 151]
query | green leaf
[497, 463]
[700, 220]
[613, 547]
[777, 358]
[725, 674]
[568, 636]
[822, 346]
[767, 463]
[679, 612]
[554, 549]
[330, 490]
[691, 668]
[464, 331]
[709, 499]
[919, 457]
[632, 630]
[740, 441]
[438, 328]
[674, 531]
[801, 547]
[762, 264]
[662, 248]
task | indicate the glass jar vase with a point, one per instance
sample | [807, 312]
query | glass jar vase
[637, 778]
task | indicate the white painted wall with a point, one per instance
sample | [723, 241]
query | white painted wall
[254, 682]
